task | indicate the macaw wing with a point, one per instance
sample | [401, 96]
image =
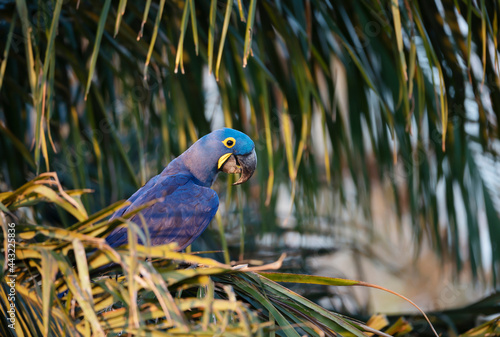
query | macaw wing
[141, 192]
[183, 212]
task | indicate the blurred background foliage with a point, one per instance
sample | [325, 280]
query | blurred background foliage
[342, 98]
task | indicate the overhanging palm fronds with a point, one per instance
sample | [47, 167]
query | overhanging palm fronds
[406, 91]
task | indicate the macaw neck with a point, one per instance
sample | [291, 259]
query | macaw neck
[195, 164]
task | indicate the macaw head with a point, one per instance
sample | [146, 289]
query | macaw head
[238, 154]
[225, 150]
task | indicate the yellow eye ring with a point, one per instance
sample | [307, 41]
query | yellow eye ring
[229, 142]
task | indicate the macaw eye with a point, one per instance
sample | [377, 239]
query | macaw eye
[229, 142]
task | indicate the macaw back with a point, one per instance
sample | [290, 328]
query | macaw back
[183, 210]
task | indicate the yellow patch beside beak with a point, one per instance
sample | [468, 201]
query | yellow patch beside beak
[223, 159]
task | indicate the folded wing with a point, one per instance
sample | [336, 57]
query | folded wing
[182, 212]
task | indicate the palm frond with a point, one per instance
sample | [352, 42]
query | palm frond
[70, 282]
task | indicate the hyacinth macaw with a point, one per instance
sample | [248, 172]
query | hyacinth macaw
[186, 203]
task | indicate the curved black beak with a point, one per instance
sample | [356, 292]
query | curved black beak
[244, 164]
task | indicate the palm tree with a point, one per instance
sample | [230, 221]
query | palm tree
[339, 97]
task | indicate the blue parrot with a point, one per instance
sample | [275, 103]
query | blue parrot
[186, 203]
